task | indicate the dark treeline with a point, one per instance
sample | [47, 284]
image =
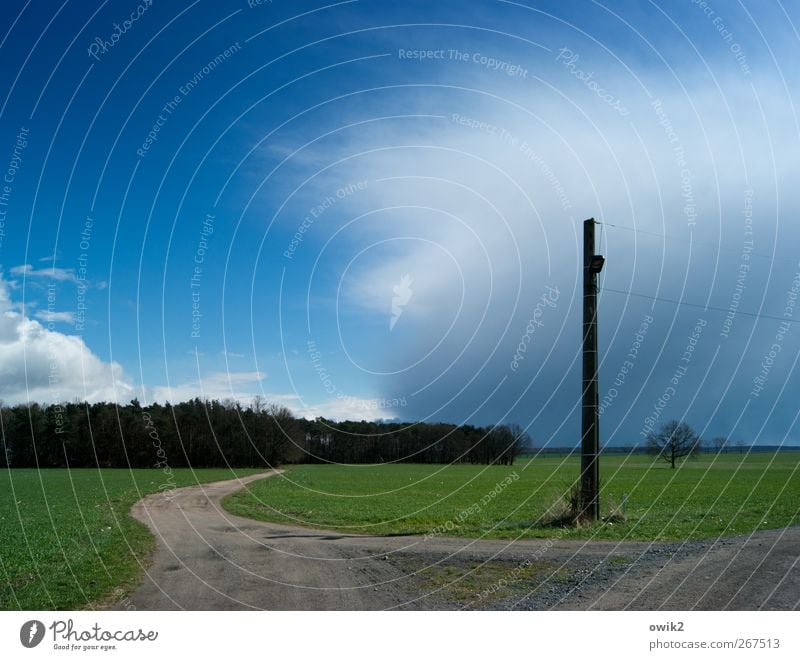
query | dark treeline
[220, 433]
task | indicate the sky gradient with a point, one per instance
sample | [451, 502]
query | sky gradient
[374, 210]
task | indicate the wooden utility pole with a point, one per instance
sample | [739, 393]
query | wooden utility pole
[590, 442]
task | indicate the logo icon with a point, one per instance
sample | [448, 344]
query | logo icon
[402, 294]
[31, 633]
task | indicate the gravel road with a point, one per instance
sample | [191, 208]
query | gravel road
[209, 559]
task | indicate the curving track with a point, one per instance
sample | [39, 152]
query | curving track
[209, 559]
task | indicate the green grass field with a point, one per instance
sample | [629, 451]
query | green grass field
[66, 537]
[705, 497]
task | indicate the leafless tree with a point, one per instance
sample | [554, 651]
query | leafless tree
[674, 440]
[720, 443]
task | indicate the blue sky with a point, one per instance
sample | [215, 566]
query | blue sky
[361, 209]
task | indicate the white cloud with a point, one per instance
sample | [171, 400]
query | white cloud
[56, 317]
[342, 408]
[54, 273]
[42, 365]
[245, 385]
[218, 385]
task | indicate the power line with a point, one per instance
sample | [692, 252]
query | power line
[704, 307]
[677, 239]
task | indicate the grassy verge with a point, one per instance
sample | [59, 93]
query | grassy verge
[705, 497]
[481, 585]
[66, 537]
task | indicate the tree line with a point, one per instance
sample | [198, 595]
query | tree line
[201, 433]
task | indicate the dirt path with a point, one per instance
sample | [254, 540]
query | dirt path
[209, 559]
[760, 571]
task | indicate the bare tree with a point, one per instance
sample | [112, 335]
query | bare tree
[283, 432]
[720, 443]
[674, 440]
[517, 441]
[501, 445]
